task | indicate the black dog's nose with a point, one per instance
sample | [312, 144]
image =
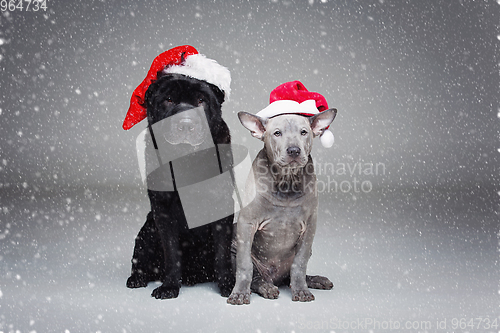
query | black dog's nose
[293, 151]
[186, 125]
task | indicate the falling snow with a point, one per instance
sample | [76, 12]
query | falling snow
[416, 86]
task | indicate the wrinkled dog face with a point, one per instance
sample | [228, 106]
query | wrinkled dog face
[186, 125]
[184, 106]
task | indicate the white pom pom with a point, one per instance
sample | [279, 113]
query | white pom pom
[327, 139]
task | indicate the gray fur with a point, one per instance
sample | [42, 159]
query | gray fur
[276, 227]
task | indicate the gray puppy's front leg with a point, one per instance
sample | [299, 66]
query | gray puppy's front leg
[244, 266]
[298, 284]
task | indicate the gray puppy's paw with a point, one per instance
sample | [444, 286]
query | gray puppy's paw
[268, 290]
[237, 298]
[302, 296]
[319, 282]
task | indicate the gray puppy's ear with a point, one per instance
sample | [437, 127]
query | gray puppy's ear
[322, 120]
[255, 124]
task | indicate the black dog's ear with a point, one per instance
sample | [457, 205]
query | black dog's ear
[155, 92]
[322, 120]
[255, 124]
[217, 92]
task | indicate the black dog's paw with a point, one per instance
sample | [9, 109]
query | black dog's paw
[165, 292]
[137, 281]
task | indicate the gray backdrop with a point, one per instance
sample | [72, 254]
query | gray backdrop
[415, 82]
[408, 217]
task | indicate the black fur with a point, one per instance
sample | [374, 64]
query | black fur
[165, 249]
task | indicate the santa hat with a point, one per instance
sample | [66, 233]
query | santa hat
[294, 98]
[183, 60]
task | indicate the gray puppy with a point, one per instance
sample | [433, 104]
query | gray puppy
[276, 227]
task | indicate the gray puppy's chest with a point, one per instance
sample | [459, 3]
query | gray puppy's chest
[282, 216]
[279, 232]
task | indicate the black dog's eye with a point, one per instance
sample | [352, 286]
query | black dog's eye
[168, 99]
[277, 133]
[303, 132]
[200, 100]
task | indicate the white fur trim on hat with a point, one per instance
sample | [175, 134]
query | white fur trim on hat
[279, 107]
[202, 68]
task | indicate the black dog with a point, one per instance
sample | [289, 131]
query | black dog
[165, 248]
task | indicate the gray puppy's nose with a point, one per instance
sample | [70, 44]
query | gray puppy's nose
[293, 151]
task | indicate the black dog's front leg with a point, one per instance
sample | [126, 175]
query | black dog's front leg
[147, 260]
[222, 231]
[167, 213]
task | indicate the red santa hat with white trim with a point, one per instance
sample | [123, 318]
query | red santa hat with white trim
[294, 98]
[183, 60]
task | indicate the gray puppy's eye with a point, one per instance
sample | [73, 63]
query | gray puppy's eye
[277, 133]
[303, 132]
